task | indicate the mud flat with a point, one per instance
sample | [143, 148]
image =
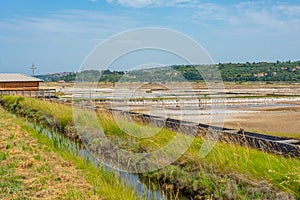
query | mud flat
[270, 119]
[279, 118]
[279, 121]
[265, 108]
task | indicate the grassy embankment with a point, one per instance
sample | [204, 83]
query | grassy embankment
[229, 171]
[34, 166]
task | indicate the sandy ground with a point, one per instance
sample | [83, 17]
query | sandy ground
[270, 120]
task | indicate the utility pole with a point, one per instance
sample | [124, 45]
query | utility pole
[33, 68]
[115, 79]
[82, 74]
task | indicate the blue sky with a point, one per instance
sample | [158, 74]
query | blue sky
[57, 35]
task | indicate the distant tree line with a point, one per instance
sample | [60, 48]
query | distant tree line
[230, 72]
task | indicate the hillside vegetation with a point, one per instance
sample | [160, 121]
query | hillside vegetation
[230, 72]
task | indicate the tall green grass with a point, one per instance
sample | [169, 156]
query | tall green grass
[105, 184]
[254, 165]
[39, 109]
[248, 164]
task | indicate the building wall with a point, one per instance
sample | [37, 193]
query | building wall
[19, 86]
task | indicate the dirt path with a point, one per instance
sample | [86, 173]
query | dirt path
[29, 169]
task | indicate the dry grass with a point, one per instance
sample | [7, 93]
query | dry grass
[31, 168]
[43, 173]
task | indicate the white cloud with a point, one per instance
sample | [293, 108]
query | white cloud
[76, 24]
[272, 17]
[152, 3]
[289, 10]
[60, 39]
[262, 17]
